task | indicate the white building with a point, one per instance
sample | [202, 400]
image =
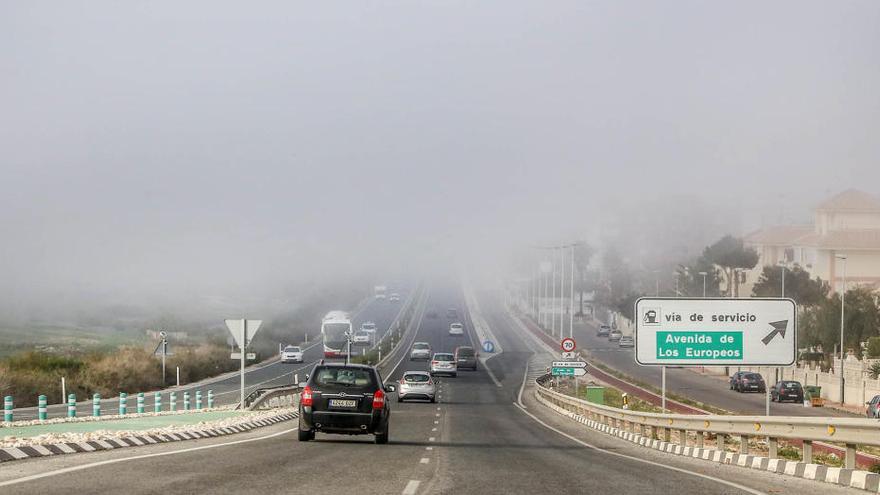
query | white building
[847, 224]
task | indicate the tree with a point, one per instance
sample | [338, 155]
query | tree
[798, 285]
[730, 254]
[820, 324]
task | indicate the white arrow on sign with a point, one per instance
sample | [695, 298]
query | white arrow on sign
[569, 355]
[569, 364]
[236, 328]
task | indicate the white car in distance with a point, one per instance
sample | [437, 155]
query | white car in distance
[291, 354]
[456, 329]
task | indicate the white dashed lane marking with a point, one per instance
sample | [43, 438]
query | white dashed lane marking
[424, 460]
[431, 439]
[411, 487]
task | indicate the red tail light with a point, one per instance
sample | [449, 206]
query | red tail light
[379, 399]
[402, 381]
[306, 398]
[434, 362]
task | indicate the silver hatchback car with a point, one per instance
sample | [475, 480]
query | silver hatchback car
[443, 363]
[416, 385]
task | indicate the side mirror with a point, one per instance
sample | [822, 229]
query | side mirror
[307, 376]
[390, 388]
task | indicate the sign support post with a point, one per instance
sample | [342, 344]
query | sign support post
[242, 344]
[663, 388]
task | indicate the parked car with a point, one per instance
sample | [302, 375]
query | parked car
[291, 354]
[347, 399]
[787, 390]
[443, 363]
[420, 350]
[416, 385]
[466, 357]
[603, 331]
[626, 341]
[873, 410]
[456, 329]
[615, 335]
[734, 379]
[751, 382]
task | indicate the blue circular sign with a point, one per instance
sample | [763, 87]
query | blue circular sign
[488, 346]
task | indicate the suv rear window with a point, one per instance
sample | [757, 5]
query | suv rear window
[794, 385]
[343, 377]
[443, 357]
[291, 349]
[421, 346]
[466, 352]
[752, 376]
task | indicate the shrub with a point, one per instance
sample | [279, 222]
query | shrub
[873, 349]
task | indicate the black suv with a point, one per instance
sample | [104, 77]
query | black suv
[348, 399]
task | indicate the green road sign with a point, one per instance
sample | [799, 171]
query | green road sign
[568, 371]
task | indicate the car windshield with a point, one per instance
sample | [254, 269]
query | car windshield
[343, 377]
[421, 346]
[443, 357]
[291, 349]
[416, 377]
[456, 325]
[368, 326]
[792, 385]
[466, 352]
[752, 376]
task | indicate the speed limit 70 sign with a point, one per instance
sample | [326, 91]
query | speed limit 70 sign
[567, 345]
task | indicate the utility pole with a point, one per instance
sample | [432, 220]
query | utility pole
[842, 308]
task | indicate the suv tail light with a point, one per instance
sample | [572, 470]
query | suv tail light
[434, 362]
[306, 397]
[379, 399]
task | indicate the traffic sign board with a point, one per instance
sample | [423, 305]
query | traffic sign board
[715, 331]
[249, 356]
[568, 344]
[568, 371]
[568, 364]
[569, 355]
[488, 346]
[237, 329]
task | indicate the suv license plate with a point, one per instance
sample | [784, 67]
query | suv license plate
[343, 403]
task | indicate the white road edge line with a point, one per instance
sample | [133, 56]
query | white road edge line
[411, 487]
[83, 467]
[645, 461]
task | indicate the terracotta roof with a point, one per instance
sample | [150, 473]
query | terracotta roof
[851, 200]
[843, 240]
[779, 235]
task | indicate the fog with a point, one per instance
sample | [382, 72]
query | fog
[180, 151]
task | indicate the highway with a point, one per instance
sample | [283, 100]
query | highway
[478, 438]
[226, 387]
[687, 383]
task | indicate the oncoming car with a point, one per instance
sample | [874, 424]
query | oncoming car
[456, 329]
[291, 354]
[346, 399]
[416, 385]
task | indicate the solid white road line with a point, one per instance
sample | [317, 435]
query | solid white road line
[83, 467]
[645, 461]
[431, 439]
[411, 487]
[429, 448]
[489, 370]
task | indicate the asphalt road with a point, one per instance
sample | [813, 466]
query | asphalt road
[227, 387]
[687, 383]
[475, 440]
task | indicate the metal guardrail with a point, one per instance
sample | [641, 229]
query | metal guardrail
[283, 396]
[848, 431]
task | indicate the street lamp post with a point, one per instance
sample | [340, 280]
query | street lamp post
[842, 307]
[782, 265]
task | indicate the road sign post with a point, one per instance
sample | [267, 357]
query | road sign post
[715, 332]
[243, 332]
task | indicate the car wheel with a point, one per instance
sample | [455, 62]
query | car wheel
[306, 435]
[433, 400]
[454, 375]
[399, 399]
[382, 438]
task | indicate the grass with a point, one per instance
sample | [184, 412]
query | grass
[56, 338]
[677, 398]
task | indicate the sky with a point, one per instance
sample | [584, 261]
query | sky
[185, 148]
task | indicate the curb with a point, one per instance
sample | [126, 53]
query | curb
[17, 453]
[852, 478]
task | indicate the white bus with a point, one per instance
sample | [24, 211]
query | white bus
[335, 328]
